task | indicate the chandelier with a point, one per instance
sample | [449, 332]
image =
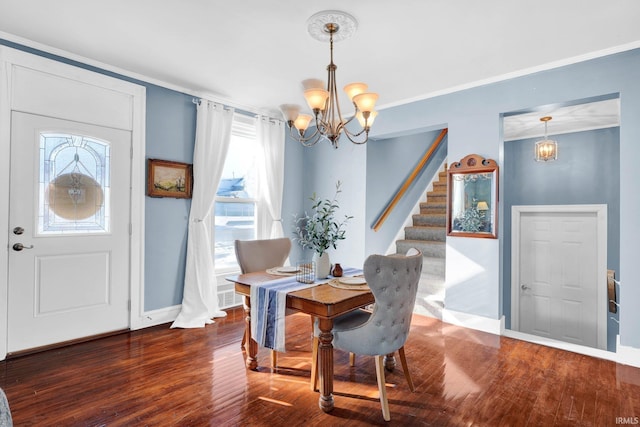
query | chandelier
[547, 149]
[327, 117]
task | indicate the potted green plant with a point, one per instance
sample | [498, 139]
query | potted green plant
[320, 230]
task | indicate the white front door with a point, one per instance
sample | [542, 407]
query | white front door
[69, 221]
[558, 278]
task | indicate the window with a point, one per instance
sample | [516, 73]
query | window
[235, 203]
[74, 188]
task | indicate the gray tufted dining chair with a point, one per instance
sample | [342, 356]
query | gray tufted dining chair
[393, 280]
[259, 255]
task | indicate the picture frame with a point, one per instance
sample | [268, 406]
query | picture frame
[166, 178]
[472, 198]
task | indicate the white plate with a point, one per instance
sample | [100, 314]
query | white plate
[352, 280]
[287, 269]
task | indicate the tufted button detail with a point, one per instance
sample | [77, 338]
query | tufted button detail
[378, 270]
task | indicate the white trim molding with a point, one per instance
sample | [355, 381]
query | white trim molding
[627, 355]
[132, 118]
[472, 321]
[156, 317]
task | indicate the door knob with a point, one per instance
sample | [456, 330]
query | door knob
[18, 230]
[19, 246]
[524, 287]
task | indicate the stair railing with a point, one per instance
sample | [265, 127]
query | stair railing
[409, 181]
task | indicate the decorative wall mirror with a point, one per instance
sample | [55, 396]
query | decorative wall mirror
[472, 198]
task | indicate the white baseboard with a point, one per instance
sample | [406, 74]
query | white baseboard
[627, 355]
[471, 321]
[156, 317]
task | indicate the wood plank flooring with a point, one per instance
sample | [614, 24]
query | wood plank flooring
[197, 377]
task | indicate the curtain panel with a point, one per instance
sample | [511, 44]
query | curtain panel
[200, 299]
[271, 138]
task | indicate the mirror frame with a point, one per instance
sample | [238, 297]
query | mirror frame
[471, 167]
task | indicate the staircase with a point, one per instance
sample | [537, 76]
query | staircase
[428, 234]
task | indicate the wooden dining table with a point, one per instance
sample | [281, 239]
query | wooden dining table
[324, 302]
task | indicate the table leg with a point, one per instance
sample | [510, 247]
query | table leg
[251, 345]
[325, 362]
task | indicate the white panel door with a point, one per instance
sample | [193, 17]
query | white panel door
[559, 277]
[69, 231]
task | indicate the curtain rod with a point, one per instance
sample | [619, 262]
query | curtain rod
[197, 101]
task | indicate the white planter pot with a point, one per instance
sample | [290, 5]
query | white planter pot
[323, 265]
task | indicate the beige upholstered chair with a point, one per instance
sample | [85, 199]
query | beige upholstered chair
[394, 281]
[259, 255]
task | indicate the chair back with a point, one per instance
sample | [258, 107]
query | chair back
[259, 255]
[393, 280]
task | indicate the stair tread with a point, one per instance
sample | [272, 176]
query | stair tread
[435, 242]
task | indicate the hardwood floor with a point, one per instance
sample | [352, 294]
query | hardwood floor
[197, 377]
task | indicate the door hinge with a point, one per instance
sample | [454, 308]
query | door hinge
[129, 305]
[131, 151]
[130, 229]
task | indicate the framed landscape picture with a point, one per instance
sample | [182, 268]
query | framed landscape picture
[169, 179]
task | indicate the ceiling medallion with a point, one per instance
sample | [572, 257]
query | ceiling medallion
[317, 25]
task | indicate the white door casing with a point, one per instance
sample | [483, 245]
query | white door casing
[29, 83]
[558, 284]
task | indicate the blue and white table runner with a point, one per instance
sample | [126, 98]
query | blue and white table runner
[269, 305]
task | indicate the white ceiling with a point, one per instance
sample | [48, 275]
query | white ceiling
[253, 54]
[574, 118]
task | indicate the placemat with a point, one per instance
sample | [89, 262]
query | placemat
[275, 272]
[336, 284]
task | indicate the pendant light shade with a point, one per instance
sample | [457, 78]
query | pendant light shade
[547, 149]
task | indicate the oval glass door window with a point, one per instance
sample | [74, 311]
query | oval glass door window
[75, 196]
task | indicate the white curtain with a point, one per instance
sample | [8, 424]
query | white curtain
[200, 299]
[271, 183]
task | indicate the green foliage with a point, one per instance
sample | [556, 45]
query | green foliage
[320, 230]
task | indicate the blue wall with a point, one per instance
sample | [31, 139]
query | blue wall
[324, 166]
[171, 125]
[586, 172]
